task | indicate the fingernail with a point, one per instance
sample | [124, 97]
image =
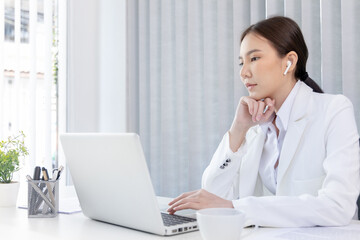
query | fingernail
[258, 118]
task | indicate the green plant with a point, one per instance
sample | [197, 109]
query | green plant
[10, 151]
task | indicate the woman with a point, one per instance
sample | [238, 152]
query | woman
[291, 156]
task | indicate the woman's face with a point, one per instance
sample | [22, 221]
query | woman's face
[261, 67]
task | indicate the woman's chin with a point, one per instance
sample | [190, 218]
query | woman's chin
[255, 95]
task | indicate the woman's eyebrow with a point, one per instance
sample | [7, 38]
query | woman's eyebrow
[250, 52]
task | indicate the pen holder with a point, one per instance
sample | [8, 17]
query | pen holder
[43, 198]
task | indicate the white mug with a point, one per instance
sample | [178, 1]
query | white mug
[220, 223]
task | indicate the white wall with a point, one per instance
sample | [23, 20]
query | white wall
[112, 66]
[96, 84]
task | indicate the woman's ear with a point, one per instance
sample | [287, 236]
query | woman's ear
[292, 58]
[288, 65]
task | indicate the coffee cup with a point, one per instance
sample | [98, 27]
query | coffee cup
[220, 223]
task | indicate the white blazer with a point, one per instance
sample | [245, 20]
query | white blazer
[318, 173]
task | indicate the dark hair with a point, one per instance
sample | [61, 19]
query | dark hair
[285, 36]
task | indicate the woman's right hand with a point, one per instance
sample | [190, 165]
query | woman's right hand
[249, 113]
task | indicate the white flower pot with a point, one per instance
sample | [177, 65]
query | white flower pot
[8, 194]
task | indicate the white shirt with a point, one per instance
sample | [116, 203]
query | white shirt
[273, 143]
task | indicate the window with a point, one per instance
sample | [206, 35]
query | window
[29, 79]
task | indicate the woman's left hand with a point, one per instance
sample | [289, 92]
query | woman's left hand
[198, 199]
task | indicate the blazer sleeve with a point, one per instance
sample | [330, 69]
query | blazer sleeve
[221, 176]
[335, 203]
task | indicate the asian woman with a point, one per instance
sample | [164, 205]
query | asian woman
[291, 155]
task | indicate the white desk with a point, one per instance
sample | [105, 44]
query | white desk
[14, 224]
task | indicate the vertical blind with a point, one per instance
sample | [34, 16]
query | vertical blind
[183, 75]
[25, 98]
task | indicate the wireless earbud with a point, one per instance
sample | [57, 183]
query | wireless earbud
[288, 65]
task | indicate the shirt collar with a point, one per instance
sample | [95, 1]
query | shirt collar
[283, 115]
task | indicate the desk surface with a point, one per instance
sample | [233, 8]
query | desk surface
[14, 224]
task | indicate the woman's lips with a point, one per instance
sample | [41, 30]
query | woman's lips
[250, 86]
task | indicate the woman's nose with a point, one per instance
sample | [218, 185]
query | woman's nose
[244, 72]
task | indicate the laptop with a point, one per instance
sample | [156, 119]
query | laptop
[113, 184]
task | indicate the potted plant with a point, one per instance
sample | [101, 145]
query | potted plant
[10, 151]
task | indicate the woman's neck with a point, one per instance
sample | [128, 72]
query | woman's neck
[283, 93]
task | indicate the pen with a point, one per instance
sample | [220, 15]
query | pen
[36, 176]
[266, 108]
[61, 168]
[45, 174]
[48, 185]
[36, 173]
[55, 174]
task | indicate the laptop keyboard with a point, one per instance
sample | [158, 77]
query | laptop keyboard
[171, 220]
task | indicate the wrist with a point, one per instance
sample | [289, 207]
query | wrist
[236, 138]
[230, 204]
[238, 127]
[237, 131]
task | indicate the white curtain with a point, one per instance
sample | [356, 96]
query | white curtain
[25, 104]
[183, 81]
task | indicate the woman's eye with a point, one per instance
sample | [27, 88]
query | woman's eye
[241, 64]
[254, 58]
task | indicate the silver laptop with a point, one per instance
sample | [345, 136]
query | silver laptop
[113, 183]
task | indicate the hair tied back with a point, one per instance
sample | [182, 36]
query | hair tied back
[304, 76]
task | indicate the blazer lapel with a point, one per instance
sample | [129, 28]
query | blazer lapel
[297, 125]
[290, 145]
